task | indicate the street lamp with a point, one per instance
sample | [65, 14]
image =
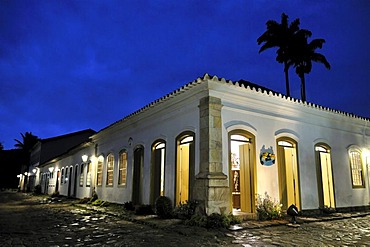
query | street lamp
[85, 158]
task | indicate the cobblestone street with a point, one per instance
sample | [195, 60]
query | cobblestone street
[25, 221]
[341, 232]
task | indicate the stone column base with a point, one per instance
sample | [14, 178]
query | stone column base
[211, 190]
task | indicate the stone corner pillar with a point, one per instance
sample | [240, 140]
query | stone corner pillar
[211, 186]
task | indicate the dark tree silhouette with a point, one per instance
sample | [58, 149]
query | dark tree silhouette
[280, 35]
[28, 141]
[302, 54]
[1, 146]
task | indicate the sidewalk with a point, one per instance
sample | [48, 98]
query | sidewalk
[175, 224]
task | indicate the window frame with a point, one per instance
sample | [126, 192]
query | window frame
[359, 169]
[99, 172]
[88, 174]
[110, 170]
[82, 175]
[122, 169]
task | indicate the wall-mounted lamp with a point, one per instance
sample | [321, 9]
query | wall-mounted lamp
[51, 169]
[34, 170]
[85, 158]
[26, 173]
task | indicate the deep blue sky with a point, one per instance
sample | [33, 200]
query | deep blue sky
[71, 65]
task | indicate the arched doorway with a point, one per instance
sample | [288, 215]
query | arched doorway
[69, 180]
[75, 182]
[137, 185]
[325, 176]
[157, 169]
[242, 171]
[185, 168]
[288, 172]
[57, 181]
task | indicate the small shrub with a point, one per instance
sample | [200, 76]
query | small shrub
[197, 220]
[37, 189]
[129, 206]
[267, 208]
[185, 211]
[94, 196]
[55, 194]
[104, 204]
[163, 207]
[234, 220]
[84, 200]
[212, 221]
[218, 221]
[144, 209]
[97, 202]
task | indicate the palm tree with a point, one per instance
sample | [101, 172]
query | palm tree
[302, 54]
[28, 141]
[280, 35]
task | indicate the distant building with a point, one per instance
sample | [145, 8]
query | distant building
[46, 150]
[223, 143]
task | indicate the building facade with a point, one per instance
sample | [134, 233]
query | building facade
[223, 143]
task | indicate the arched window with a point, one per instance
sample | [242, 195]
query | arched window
[88, 174]
[356, 168]
[122, 171]
[110, 166]
[82, 175]
[99, 171]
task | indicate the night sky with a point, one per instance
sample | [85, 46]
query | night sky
[72, 65]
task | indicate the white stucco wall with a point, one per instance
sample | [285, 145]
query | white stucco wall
[166, 121]
[266, 116]
[270, 117]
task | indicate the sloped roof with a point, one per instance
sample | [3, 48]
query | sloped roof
[246, 85]
[56, 146]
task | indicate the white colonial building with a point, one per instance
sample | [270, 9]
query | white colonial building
[223, 143]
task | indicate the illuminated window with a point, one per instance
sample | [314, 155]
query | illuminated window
[110, 163]
[99, 171]
[122, 168]
[356, 168]
[88, 175]
[82, 175]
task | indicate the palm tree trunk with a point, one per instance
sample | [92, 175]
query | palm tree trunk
[303, 87]
[286, 68]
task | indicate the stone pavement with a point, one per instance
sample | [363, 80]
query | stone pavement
[31, 221]
[37, 221]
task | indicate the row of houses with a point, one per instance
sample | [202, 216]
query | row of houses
[222, 143]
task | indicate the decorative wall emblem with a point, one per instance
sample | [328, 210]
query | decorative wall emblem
[267, 156]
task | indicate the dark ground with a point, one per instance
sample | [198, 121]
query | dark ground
[25, 221]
